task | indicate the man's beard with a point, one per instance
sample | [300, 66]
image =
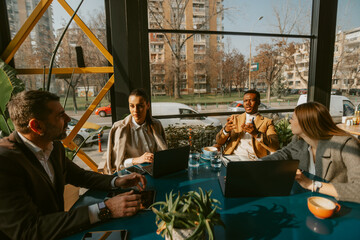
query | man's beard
[55, 137]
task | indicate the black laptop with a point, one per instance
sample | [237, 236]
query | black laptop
[168, 161]
[258, 178]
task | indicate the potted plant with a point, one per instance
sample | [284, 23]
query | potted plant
[187, 216]
[284, 132]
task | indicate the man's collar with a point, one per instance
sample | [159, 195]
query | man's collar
[33, 147]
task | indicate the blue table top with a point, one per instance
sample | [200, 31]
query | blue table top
[245, 218]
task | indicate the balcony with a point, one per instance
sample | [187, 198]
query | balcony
[158, 72]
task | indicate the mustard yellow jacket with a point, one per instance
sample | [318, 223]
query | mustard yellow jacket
[266, 142]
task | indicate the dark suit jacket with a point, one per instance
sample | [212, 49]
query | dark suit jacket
[337, 162]
[31, 207]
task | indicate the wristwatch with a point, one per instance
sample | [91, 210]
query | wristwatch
[104, 212]
[317, 185]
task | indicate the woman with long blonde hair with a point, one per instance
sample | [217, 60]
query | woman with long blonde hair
[330, 155]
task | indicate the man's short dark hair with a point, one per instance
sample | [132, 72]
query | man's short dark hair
[27, 105]
[254, 92]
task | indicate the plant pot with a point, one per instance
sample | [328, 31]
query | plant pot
[181, 234]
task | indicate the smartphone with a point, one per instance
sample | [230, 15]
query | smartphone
[108, 235]
[135, 169]
[147, 198]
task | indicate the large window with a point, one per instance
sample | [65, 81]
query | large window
[230, 46]
[346, 65]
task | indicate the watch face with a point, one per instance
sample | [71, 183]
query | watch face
[104, 212]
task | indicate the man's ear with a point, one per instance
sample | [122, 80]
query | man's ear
[35, 126]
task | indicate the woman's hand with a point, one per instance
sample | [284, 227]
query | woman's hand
[303, 180]
[145, 158]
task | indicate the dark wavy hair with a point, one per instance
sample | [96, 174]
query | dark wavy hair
[27, 105]
[140, 92]
[316, 122]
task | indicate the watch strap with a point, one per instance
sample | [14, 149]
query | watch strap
[104, 212]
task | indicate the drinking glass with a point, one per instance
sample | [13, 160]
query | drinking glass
[194, 159]
[215, 160]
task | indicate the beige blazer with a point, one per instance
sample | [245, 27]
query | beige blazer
[337, 161]
[268, 142]
[118, 137]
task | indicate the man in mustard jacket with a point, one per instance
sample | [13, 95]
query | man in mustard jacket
[249, 135]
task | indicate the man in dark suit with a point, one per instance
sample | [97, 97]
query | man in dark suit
[34, 170]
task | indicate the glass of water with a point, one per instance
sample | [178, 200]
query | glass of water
[215, 160]
[194, 159]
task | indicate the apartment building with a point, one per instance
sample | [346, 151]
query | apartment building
[36, 50]
[189, 60]
[346, 68]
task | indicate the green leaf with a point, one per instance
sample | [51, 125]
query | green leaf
[5, 90]
[4, 127]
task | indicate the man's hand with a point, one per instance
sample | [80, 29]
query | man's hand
[145, 158]
[303, 180]
[124, 205]
[230, 124]
[131, 180]
[250, 128]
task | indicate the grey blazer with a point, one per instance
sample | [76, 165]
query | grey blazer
[337, 162]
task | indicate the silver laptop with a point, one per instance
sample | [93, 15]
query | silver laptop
[168, 161]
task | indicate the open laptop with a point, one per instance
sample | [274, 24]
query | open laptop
[168, 161]
[258, 178]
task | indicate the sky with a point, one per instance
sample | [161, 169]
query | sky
[243, 15]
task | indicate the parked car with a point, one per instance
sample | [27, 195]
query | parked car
[354, 92]
[303, 91]
[238, 106]
[294, 91]
[103, 111]
[170, 108]
[87, 129]
[335, 92]
[340, 106]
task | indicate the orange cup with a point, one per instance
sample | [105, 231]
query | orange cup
[322, 207]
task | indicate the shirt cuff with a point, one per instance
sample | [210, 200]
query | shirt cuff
[128, 162]
[94, 213]
[225, 133]
[113, 182]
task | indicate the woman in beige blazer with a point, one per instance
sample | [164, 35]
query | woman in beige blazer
[134, 139]
[325, 151]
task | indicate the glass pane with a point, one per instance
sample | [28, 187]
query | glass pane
[91, 12]
[274, 16]
[346, 67]
[210, 73]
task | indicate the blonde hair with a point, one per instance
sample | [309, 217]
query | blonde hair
[315, 121]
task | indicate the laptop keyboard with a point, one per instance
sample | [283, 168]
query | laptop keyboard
[148, 168]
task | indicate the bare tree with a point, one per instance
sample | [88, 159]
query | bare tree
[271, 63]
[171, 14]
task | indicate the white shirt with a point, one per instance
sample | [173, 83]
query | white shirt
[311, 163]
[42, 156]
[141, 140]
[244, 149]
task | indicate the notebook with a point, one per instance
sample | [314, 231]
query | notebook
[168, 161]
[258, 178]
